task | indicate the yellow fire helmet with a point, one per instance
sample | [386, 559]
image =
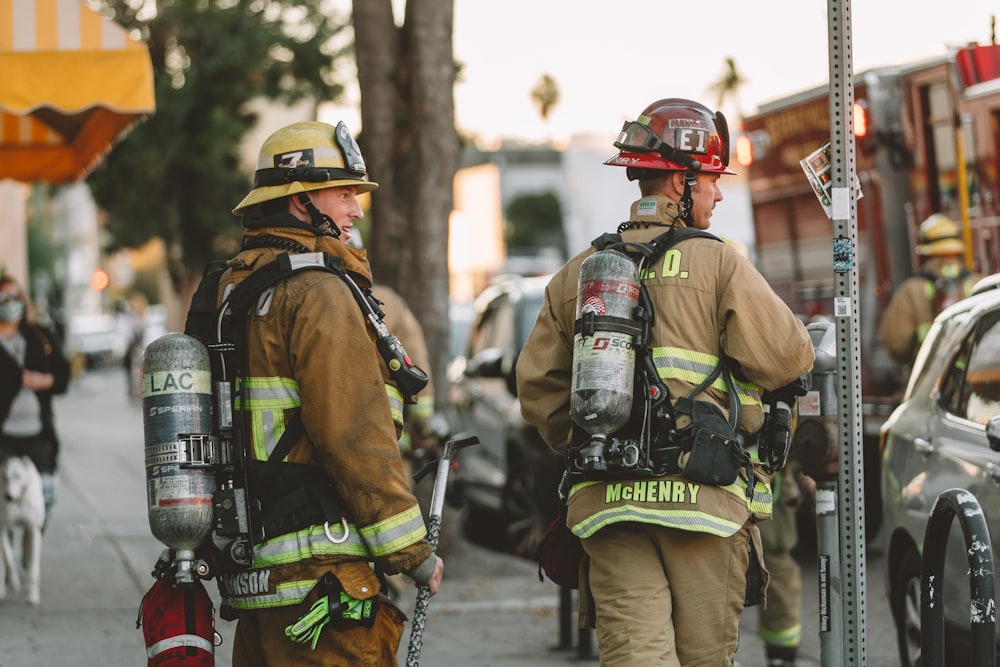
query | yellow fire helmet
[939, 235]
[306, 156]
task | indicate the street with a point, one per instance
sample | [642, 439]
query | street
[98, 553]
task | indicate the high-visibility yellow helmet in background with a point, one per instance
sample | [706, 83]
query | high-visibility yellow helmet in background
[939, 235]
[306, 156]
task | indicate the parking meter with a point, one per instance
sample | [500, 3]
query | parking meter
[815, 439]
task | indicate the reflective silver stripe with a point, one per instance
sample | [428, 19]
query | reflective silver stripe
[395, 533]
[674, 363]
[294, 547]
[699, 522]
[267, 399]
[289, 593]
[271, 393]
[395, 403]
[180, 641]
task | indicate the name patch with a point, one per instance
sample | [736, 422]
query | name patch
[653, 491]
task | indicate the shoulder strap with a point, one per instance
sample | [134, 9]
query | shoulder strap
[652, 249]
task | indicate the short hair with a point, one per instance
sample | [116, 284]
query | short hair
[651, 181]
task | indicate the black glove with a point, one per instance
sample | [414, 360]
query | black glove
[789, 392]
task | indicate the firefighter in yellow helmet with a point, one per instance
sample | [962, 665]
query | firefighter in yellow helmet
[665, 574]
[314, 594]
[941, 281]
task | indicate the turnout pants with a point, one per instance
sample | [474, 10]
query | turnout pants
[665, 597]
[260, 639]
[779, 624]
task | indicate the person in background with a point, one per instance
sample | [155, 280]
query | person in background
[779, 621]
[942, 280]
[33, 368]
[665, 576]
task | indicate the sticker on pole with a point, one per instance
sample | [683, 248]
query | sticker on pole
[819, 171]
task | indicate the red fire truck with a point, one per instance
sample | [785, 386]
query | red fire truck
[928, 141]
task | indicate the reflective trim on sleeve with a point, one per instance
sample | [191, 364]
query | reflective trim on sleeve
[395, 533]
[424, 407]
[395, 403]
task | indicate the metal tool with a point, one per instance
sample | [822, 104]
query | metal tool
[443, 466]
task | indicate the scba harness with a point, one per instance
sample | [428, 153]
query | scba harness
[653, 435]
[257, 500]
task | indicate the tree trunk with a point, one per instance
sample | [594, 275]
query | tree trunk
[407, 77]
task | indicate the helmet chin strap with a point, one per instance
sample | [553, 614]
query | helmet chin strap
[685, 206]
[320, 221]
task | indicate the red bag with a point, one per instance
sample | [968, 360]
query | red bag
[178, 625]
[560, 553]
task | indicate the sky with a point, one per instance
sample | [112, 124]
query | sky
[611, 59]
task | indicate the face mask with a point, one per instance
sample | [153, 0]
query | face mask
[11, 310]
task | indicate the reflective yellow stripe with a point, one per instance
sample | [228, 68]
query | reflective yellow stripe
[395, 533]
[675, 363]
[395, 403]
[267, 399]
[305, 543]
[698, 522]
[379, 539]
[288, 593]
[761, 502]
[424, 407]
[785, 638]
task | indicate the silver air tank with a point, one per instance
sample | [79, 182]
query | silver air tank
[603, 358]
[180, 450]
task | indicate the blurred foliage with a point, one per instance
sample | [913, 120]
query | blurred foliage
[178, 174]
[535, 221]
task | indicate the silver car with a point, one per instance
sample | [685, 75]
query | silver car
[942, 436]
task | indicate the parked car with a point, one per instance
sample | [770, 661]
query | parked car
[942, 436]
[508, 483]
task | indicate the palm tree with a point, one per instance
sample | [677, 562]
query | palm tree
[728, 86]
[545, 95]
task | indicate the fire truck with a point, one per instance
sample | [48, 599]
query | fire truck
[928, 141]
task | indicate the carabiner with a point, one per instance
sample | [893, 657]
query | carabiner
[329, 535]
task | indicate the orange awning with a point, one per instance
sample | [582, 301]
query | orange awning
[71, 84]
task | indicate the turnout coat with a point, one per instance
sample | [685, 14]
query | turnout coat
[708, 300]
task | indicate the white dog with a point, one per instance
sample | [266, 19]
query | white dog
[22, 513]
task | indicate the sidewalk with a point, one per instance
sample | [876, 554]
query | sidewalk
[98, 553]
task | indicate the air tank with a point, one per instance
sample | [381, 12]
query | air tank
[180, 449]
[603, 355]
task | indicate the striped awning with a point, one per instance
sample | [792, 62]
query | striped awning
[72, 83]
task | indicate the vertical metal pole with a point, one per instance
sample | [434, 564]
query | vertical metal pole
[828, 574]
[851, 497]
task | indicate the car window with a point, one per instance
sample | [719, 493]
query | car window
[531, 305]
[494, 328]
[971, 386]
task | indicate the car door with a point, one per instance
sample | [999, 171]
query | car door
[956, 452]
[481, 399]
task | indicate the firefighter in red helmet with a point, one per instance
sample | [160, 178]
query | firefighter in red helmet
[670, 561]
